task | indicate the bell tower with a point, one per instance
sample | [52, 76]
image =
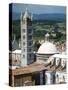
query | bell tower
[26, 39]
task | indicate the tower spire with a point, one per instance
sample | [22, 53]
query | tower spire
[26, 43]
[26, 14]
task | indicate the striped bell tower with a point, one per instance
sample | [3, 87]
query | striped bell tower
[26, 39]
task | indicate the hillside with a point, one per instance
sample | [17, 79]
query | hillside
[41, 27]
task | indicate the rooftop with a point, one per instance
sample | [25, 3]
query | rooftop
[29, 69]
[35, 67]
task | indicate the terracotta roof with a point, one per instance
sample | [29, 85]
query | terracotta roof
[35, 67]
[29, 69]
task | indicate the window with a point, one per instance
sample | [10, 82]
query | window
[64, 78]
[23, 56]
[29, 31]
[30, 43]
[23, 30]
[30, 37]
[57, 75]
[24, 50]
[23, 36]
[46, 78]
[30, 55]
[23, 43]
[29, 50]
[29, 22]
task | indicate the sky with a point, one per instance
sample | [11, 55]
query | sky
[38, 9]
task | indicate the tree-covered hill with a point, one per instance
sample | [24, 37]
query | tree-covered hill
[41, 27]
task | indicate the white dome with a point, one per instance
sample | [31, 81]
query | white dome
[47, 48]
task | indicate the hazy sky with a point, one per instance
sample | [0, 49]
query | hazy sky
[38, 9]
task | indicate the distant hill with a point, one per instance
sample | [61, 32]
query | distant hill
[54, 16]
[57, 17]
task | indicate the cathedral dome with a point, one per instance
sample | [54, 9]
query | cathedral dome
[47, 48]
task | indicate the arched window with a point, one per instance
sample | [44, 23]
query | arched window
[23, 43]
[46, 78]
[63, 78]
[23, 30]
[23, 56]
[57, 78]
[23, 36]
